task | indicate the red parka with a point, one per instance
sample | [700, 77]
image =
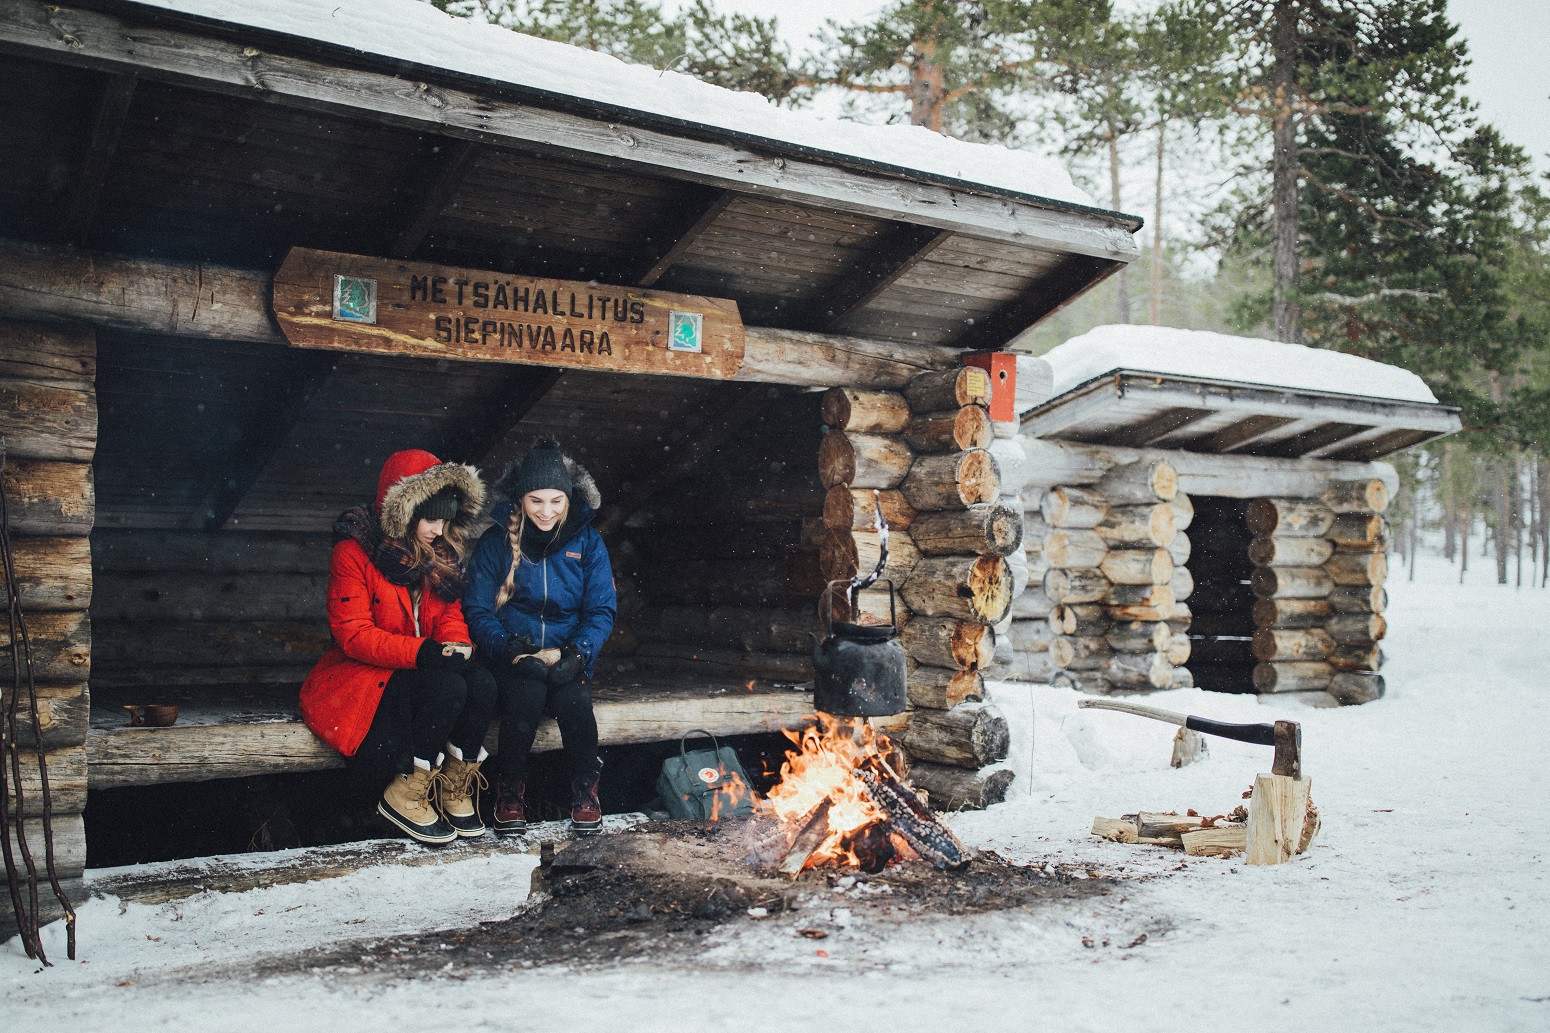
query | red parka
[371, 618]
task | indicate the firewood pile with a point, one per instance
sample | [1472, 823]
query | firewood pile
[1263, 833]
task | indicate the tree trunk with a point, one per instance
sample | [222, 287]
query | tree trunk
[1122, 278]
[1285, 170]
[1157, 230]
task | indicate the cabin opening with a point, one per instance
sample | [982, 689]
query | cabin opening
[1221, 634]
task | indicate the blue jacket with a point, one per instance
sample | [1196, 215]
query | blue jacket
[566, 596]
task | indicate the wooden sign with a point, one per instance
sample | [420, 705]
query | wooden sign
[353, 303]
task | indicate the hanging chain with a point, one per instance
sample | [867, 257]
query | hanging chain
[12, 820]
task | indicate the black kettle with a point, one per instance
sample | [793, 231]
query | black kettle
[860, 667]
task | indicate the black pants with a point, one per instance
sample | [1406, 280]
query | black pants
[523, 704]
[420, 712]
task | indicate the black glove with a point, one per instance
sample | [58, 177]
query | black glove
[516, 645]
[429, 657]
[568, 667]
[532, 667]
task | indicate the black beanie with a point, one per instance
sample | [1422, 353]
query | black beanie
[542, 468]
[441, 506]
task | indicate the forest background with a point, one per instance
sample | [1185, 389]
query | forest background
[1318, 174]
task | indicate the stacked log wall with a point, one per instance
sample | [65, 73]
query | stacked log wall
[924, 452]
[48, 433]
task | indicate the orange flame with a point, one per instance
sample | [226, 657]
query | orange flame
[824, 769]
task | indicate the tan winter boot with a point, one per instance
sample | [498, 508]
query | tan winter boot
[407, 803]
[459, 794]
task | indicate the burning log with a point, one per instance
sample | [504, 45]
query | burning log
[913, 820]
[811, 836]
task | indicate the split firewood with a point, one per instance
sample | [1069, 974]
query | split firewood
[1219, 841]
[1118, 830]
[814, 831]
[1188, 747]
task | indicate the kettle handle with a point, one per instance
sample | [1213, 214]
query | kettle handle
[826, 604]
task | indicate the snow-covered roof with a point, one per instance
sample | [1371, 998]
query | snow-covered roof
[414, 32]
[1203, 355]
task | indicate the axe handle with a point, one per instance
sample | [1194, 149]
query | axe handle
[1137, 709]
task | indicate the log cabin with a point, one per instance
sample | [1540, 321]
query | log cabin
[245, 255]
[1204, 510]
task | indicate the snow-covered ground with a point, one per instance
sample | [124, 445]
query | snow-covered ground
[1423, 905]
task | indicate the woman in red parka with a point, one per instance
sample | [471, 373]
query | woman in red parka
[398, 694]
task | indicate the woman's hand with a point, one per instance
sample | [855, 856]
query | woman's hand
[440, 656]
[568, 667]
[548, 656]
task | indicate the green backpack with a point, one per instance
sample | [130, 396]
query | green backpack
[706, 785]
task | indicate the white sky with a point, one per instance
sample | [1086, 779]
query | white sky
[1510, 76]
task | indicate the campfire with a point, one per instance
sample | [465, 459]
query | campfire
[843, 801]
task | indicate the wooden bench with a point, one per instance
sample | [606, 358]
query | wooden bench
[235, 731]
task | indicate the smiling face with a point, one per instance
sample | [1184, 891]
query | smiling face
[545, 507]
[429, 530]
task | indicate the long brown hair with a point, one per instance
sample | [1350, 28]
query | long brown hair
[516, 523]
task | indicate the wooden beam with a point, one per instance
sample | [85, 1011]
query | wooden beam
[696, 211]
[1315, 437]
[1237, 435]
[1156, 426]
[187, 299]
[79, 209]
[456, 158]
[686, 455]
[247, 66]
[1049, 294]
[899, 251]
[522, 389]
[265, 433]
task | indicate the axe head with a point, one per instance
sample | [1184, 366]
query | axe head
[1288, 744]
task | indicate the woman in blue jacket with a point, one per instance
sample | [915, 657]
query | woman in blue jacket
[540, 604]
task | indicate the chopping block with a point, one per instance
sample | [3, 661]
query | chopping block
[1282, 823]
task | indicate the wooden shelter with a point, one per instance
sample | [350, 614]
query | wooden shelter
[182, 421]
[1186, 531]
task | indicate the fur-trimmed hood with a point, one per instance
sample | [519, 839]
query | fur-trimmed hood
[410, 478]
[585, 489]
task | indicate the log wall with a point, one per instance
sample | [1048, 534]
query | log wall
[924, 452]
[48, 434]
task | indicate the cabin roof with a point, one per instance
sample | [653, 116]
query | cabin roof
[222, 132]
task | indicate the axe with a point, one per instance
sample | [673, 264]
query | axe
[1285, 736]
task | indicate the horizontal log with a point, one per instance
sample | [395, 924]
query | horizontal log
[1359, 599]
[1277, 551]
[1083, 585]
[1296, 676]
[1160, 596]
[48, 420]
[1288, 518]
[1012, 461]
[1358, 568]
[1139, 671]
[1183, 677]
[1139, 636]
[1087, 620]
[1017, 563]
[1182, 618]
[175, 596]
[1354, 687]
[66, 768]
[1180, 549]
[1364, 531]
[59, 645]
[1144, 526]
[1152, 479]
[1179, 650]
[867, 412]
[948, 389]
[1292, 613]
[1138, 566]
[972, 735]
[729, 582]
[64, 713]
[1035, 667]
[69, 850]
[1367, 495]
[748, 628]
[863, 460]
[1356, 657]
[879, 606]
[53, 573]
[988, 529]
[1032, 602]
[1275, 644]
[1142, 611]
[804, 359]
[1183, 511]
[960, 789]
[48, 352]
[951, 431]
[855, 509]
[151, 651]
[847, 553]
[1183, 584]
[941, 688]
[1291, 583]
[947, 642]
[1029, 636]
[1070, 548]
[1093, 683]
[222, 552]
[955, 481]
[720, 662]
[1079, 654]
[1228, 475]
[1357, 629]
[46, 497]
[973, 587]
[1069, 507]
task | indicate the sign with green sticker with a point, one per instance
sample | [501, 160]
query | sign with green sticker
[684, 331]
[355, 299]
